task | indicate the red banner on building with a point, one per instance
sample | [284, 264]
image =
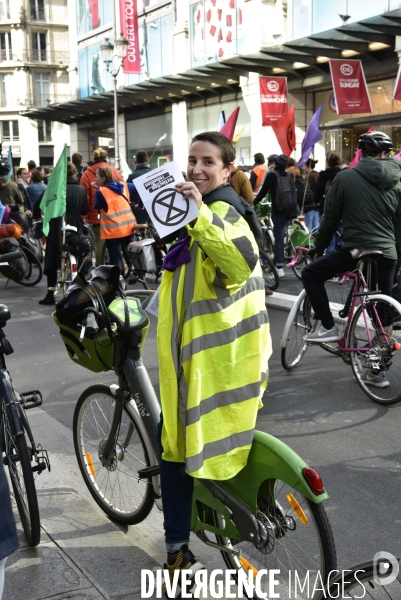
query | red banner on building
[273, 98]
[129, 29]
[397, 88]
[350, 87]
[284, 128]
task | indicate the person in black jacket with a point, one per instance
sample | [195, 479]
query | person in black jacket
[77, 205]
[280, 218]
[325, 179]
[142, 167]
[8, 531]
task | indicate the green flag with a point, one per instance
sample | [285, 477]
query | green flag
[53, 203]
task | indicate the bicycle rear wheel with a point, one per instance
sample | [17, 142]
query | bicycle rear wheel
[18, 460]
[269, 271]
[299, 541]
[378, 371]
[35, 271]
[115, 486]
[297, 327]
[362, 581]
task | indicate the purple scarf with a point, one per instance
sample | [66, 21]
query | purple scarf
[177, 255]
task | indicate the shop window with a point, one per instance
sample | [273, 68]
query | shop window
[45, 131]
[301, 12]
[93, 76]
[10, 131]
[92, 14]
[213, 31]
[6, 52]
[366, 9]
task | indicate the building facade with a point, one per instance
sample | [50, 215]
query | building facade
[201, 57]
[34, 62]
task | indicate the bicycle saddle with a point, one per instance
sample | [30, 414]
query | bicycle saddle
[360, 253]
[141, 226]
[5, 315]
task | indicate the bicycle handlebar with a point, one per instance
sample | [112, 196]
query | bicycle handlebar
[4, 258]
[298, 250]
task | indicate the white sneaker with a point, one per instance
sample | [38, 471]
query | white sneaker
[280, 272]
[321, 335]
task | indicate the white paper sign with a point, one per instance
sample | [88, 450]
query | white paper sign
[167, 208]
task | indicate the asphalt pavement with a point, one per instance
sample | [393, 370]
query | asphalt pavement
[317, 409]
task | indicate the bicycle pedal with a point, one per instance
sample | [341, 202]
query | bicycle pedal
[149, 472]
[31, 399]
[42, 460]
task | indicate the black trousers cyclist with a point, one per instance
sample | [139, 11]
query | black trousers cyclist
[334, 263]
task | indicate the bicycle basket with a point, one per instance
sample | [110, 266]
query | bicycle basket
[87, 353]
[299, 237]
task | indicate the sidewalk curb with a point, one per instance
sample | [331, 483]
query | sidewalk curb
[281, 301]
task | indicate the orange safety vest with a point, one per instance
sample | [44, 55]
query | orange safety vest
[119, 220]
[259, 171]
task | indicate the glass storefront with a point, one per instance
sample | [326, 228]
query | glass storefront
[93, 76]
[216, 31]
[92, 14]
[315, 16]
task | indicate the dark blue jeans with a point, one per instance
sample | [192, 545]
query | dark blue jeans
[333, 263]
[177, 491]
[114, 248]
[280, 221]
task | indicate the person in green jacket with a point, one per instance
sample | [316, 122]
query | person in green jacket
[213, 344]
[368, 200]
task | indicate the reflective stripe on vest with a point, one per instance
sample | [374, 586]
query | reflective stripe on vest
[260, 173]
[119, 220]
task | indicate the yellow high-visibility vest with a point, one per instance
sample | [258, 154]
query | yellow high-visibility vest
[213, 346]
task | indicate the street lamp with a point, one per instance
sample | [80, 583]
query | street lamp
[119, 51]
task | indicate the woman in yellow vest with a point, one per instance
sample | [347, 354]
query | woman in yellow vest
[117, 221]
[213, 344]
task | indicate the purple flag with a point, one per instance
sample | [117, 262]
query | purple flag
[312, 136]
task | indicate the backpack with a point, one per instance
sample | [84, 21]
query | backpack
[226, 194]
[286, 193]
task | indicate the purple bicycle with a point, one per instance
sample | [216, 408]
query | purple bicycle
[370, 327]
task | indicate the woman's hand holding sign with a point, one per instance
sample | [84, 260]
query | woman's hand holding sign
[189, 190]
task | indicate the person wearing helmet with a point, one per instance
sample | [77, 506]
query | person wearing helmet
[9, 192]
[368, 200]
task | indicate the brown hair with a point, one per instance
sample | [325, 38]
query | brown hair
[19, 171]
[100, 155]
[107, 173]
[71, 170]
[36, 176]
[226, 148]
[142, 157]
[76, 159]
[333, 159]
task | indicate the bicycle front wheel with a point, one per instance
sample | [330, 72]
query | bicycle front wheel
[269, 271]
[363, 581]
[114, 485]
[300, 541]
[377, 370]
[35, 271]
[18, 460]
[297, 327]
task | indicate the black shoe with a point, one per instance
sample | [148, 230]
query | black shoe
[48, 299]
[183, 559]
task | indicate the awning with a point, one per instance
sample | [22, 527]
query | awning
[371, 40]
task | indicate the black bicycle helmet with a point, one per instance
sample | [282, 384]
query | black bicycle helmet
[375, 142]
[4, 167]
